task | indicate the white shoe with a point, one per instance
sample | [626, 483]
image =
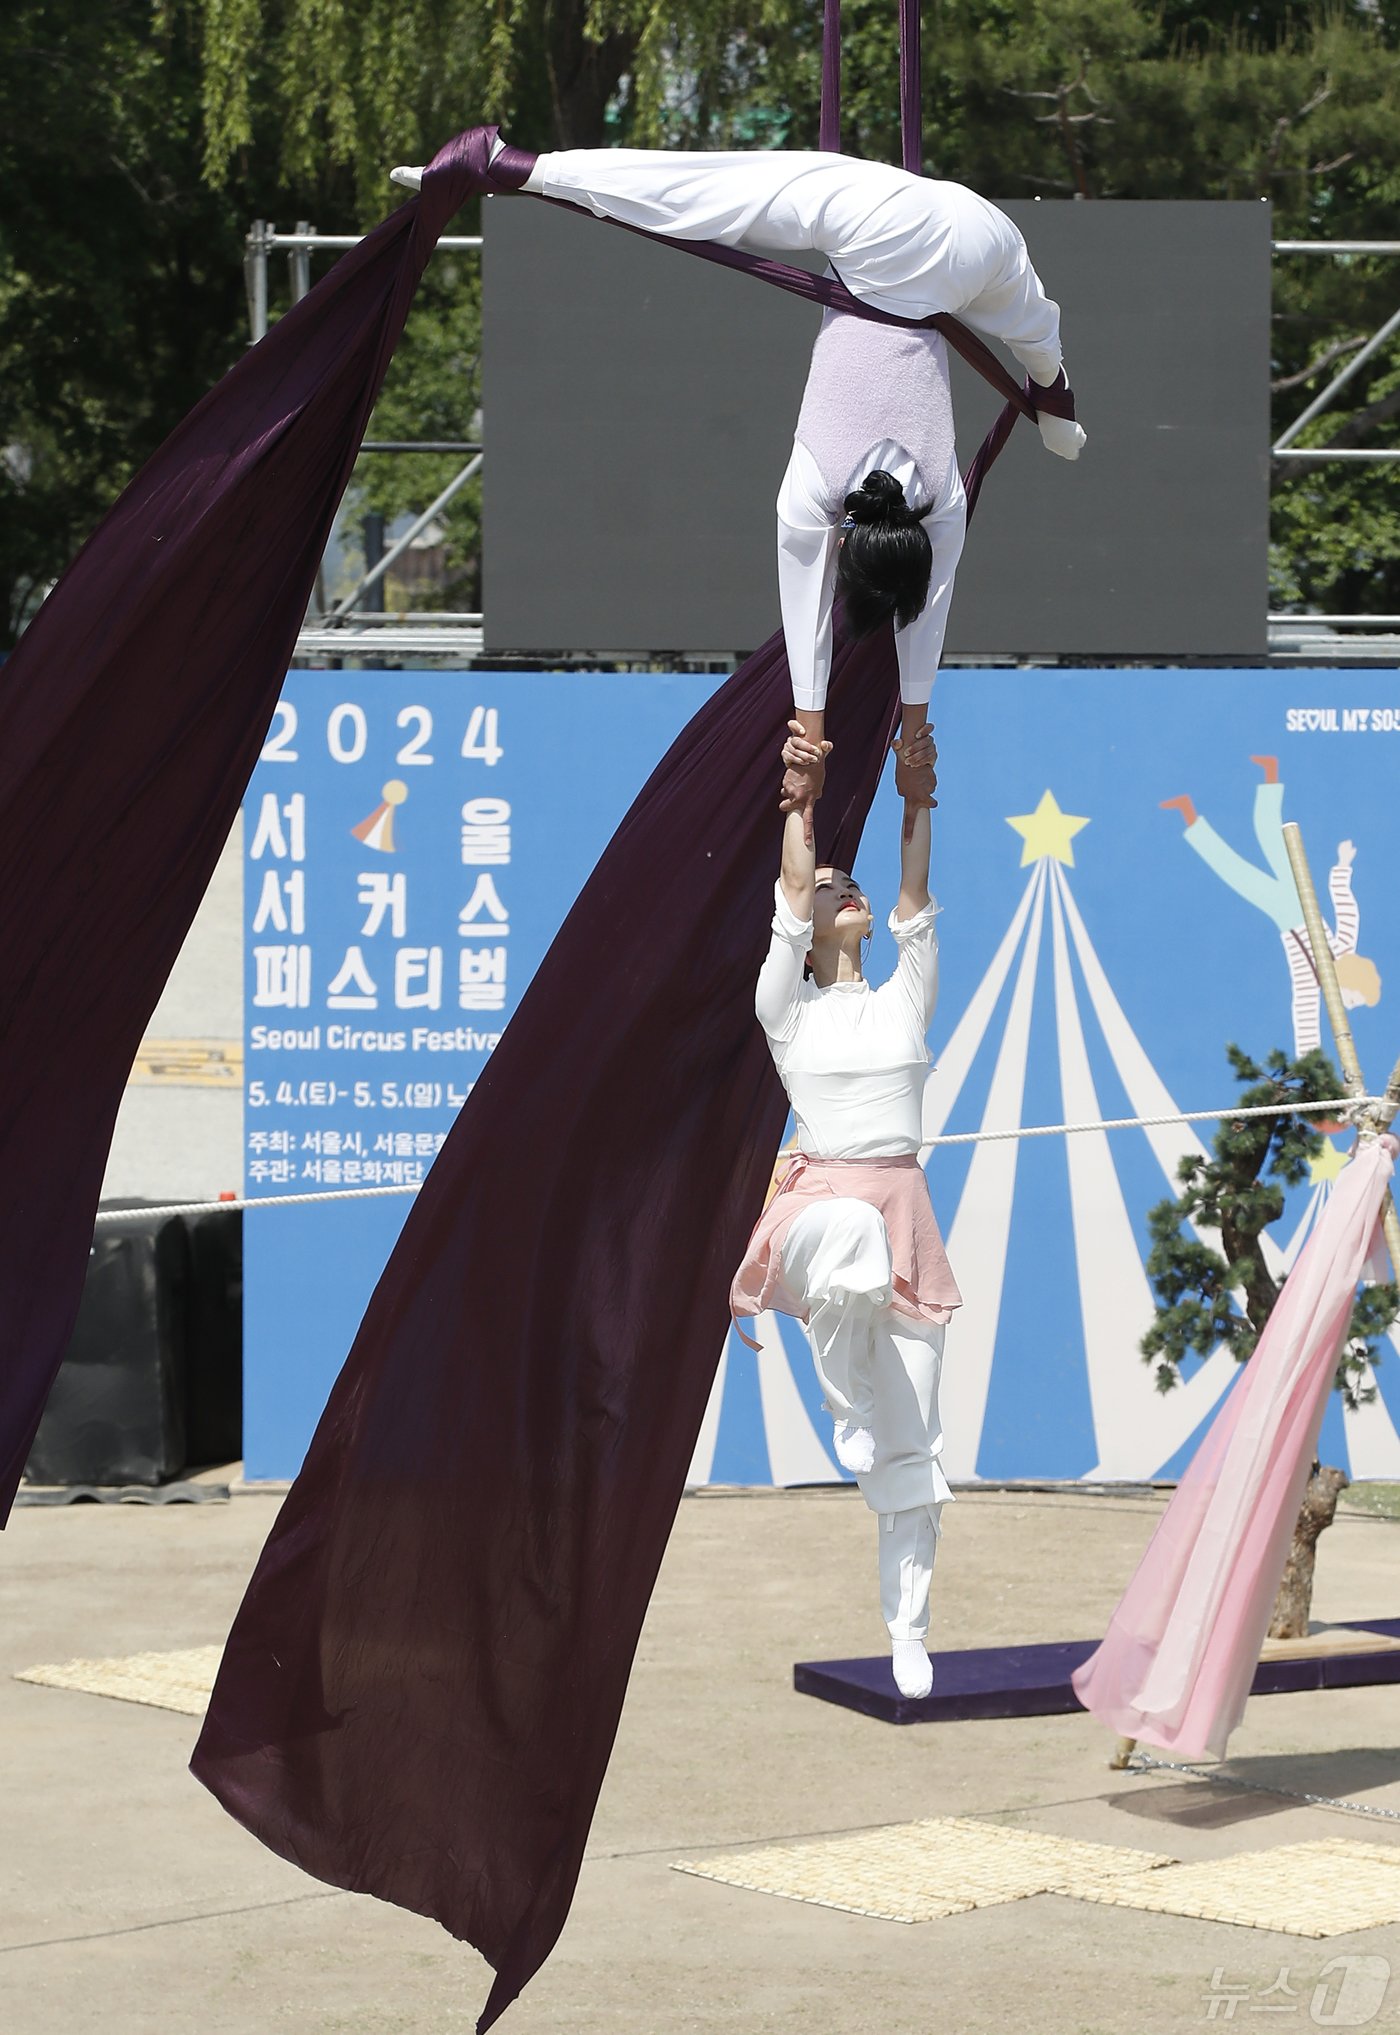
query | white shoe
[855, 1448]
[412, 180]
[913, 1670]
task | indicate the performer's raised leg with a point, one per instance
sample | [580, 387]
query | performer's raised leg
[912, 246]
[836, 1257]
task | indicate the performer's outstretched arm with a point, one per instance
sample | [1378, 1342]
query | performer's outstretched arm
[778, 992]
[921, 753]
[807, 542]
[920, 646]
[804, 767]
[914, 918]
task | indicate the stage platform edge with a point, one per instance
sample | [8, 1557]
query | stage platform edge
[1033, 1681]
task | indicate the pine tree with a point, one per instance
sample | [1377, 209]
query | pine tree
[1208, 1297]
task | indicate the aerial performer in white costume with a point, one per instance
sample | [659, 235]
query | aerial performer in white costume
[872, 504]
[872, 507]
[849, 1242]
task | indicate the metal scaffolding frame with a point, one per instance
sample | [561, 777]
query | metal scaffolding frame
[350, 629]
[1306, 638]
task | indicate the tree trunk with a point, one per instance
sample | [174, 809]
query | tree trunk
[1294, 1600]
[583, 72]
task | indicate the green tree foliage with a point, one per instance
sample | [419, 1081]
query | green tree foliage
[1236, 1195]
[432, 391]
[118, 270]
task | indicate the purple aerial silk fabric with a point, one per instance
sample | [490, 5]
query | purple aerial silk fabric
[421, 1690]
[131, 716]
[134, 708]
[422, 1687]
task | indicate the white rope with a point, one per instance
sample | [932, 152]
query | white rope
[1346, 1105]
[1143, 1762]
[259, 1201]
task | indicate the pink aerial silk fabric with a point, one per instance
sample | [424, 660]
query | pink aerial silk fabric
[1176, 1664]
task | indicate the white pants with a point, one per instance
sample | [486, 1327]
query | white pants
[877, 1367]
[880, 1369]
[908, 1544]
[908, 245]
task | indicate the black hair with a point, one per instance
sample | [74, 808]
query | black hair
[885, 560]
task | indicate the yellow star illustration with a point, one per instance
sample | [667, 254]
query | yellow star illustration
[1323, 1169]
[1047, 832]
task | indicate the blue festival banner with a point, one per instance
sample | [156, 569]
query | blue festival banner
[1116, 908]
[412, 842]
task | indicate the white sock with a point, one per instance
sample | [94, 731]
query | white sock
[412, 180]
[913, 1670]
[855, 1448]
[1061, 435]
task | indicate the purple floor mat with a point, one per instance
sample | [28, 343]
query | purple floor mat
[1033, 1681]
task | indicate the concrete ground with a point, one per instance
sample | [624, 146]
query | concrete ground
[130, 1904]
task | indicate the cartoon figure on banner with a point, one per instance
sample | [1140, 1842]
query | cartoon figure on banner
[377, 830]
[1272, 890]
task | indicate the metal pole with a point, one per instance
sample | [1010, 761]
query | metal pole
[1383, 1117]
[299, 264]
[345, 240]
[1357, 360]
[401, 544]
[1320, 452]
[1336, 247]
[299, 273]
[374, 552]
[255, 278]
[421, 444]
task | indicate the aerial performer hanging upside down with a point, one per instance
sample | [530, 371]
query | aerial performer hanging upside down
[872, 504]
[848, 1242]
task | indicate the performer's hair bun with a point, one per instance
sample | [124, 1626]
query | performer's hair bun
[885, 560]
[879, 499]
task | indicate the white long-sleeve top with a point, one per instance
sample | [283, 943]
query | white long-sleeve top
[807, 540]
[853, 1059]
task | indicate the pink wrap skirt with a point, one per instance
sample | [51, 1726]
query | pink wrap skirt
[923, 1286]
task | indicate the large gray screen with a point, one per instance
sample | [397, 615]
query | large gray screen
[639, 409]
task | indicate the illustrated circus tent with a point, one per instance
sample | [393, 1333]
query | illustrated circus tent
[1047, 1237]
